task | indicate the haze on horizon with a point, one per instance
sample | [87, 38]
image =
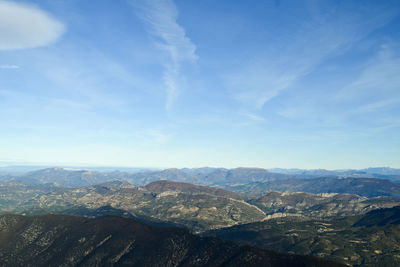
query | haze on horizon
[162, 83]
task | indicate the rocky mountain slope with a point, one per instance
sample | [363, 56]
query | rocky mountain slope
[251, 181]
[60, 240]
[369, 240]
[196, 207]
[278, 204]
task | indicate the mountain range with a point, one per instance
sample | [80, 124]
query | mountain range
[198, 208]
[372, 239]
[201, 176]
[350, 220]
[368, 187]
[61, 240]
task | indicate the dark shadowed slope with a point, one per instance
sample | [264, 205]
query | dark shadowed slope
[380, 217]
[369, 240]
[55, 240]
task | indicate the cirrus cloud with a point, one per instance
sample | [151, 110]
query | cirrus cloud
[26, 26]
[160, 18]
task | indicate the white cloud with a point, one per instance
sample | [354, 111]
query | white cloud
[26, 26]
[160, 18]
[6, 66]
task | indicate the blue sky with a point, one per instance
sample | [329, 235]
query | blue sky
[158, 83]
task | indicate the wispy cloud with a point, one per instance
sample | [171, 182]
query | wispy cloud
[160, 18]
[379, 80]
[6, 66]
[366, 102]
[255, 85]
[252, 117]
[375, 92]
[27, 26]
[157, 137]
[282, 64]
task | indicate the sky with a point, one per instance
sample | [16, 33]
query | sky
[162, 83]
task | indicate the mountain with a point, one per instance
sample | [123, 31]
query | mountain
[368, 187]
[380, 217]
[209, 176]
[198, 208]
[4, 176]
[60, 240]
[202, 176]
[382, 171]
[369, 240]
[307, 172]
[217, 177]
[163, 186]
[376, 172]
[278, 204]
[20, 169]
[67, 178]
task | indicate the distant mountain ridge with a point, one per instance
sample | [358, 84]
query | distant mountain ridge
[378, 172]
[352, 172]
[368, 187]
[201, 176]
